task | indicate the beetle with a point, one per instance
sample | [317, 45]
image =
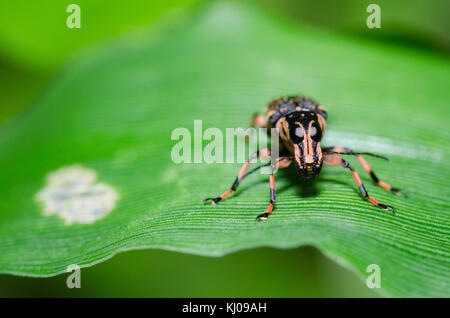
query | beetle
[301, 124]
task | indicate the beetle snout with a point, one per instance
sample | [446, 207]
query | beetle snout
[309, 160]
[309, 170]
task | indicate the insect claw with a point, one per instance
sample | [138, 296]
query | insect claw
[263, 216]
[398, 192]
[387, 207]
[213, 200]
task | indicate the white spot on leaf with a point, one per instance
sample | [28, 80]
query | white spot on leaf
[71, 193]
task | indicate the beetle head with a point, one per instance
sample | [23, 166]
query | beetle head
[306, 134]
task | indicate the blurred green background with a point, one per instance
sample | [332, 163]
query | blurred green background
[34, 46]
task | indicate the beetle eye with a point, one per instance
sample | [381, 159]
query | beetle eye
[297, 135]
[315, 133]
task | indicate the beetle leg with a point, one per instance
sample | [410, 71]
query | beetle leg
[265, 153]
[366, 166]
[269, 209]
[333, 160]
[282, 162]
[257, 121]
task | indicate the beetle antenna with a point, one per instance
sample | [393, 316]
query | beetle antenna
[359, 153]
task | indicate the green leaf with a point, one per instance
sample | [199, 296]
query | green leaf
[43, 26]
[113, 111]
